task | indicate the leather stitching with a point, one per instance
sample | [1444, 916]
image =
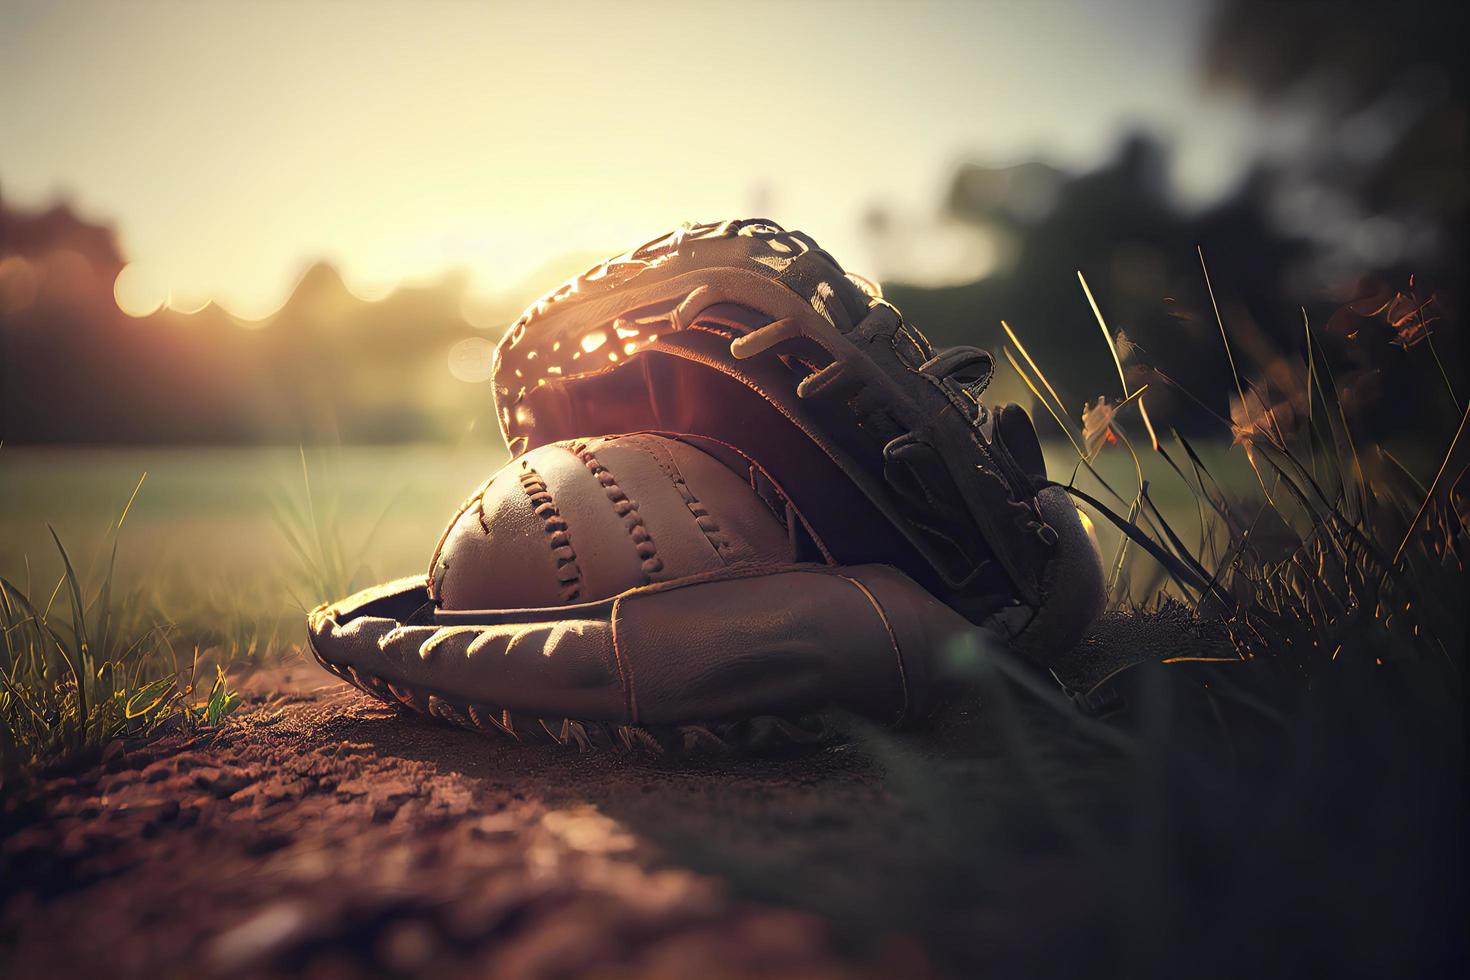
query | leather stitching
[719, 330]
[756, 467]
[625, 670]
[706, 522]
[624, 508]
[568, 572]
[471, 501]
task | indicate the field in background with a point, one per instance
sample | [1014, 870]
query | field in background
[203, 531]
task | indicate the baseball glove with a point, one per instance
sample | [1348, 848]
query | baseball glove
[753, 336]
[647, 587]
[809, 507]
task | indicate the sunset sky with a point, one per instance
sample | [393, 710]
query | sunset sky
[233, 143]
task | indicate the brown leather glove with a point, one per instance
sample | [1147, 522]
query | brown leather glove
[810, 507]
[753, 336]
[605, 589]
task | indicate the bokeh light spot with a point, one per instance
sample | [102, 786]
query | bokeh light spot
[138, 291]
[190, 302]
[472, 360]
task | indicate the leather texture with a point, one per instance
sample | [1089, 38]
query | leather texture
[591, 518]
[728, 644]
[747, 333]
[638, 580]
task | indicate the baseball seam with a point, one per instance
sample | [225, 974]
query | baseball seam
[568, 572]
[477, 500]
[703, 519]
[627, 510]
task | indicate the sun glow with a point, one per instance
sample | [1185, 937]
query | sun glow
[397, 144]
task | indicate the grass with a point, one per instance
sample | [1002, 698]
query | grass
[1343, 542]
[215, 558]
[312, 528]
[1223, 831]
[98, 665]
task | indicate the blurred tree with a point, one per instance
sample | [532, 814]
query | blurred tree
[326, 366]
[1116, 225]
[1370, 202]
[1345, 53]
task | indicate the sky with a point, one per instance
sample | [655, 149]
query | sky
[233, 144]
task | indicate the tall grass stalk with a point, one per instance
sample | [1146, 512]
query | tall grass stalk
[311, 526]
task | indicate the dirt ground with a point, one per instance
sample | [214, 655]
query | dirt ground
[324, 833]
